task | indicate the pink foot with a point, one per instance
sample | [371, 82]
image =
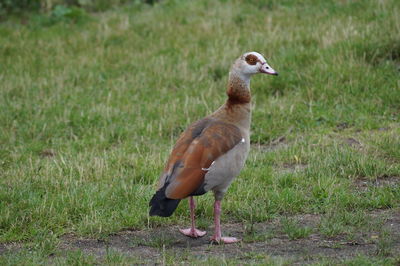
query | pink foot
[225, 240]
[192, 232]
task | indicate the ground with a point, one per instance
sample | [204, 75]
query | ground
[261, 243]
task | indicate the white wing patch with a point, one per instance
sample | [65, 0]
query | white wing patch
[208, 169]
[243, 141]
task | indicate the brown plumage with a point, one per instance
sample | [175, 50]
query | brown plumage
[211, 152]
[209, 139]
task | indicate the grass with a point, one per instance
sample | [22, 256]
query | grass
[89, 110]
[293, 230]
[384, 244]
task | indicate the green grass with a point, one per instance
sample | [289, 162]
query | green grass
[293, 230]
[89, 110]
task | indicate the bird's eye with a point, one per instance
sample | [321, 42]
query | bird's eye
[267, 67]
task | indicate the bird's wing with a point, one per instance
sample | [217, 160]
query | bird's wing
[196, 149]
[181, 145]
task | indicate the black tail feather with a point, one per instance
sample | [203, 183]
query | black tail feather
[161, 205]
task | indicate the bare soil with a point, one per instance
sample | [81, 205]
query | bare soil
[150, 245]
[261, 239]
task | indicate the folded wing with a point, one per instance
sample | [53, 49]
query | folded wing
[209, 140]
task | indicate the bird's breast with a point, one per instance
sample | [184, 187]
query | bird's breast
[223, 170]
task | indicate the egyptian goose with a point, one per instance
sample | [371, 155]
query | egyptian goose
[212, 151]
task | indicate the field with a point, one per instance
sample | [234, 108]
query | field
[91, 104]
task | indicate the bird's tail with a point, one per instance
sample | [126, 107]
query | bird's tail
[161, 205]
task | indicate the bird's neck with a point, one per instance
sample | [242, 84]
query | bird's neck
[238, 90]
[237, 109]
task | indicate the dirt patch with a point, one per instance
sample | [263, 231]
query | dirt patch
[275, 144]
[262, 238]
[342, 126]
[3, 249]
[48, 153]
[383, 181]
[352, 142]
[290, 168]
[266, 239]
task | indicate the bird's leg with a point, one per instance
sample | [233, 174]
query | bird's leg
[217, 234]
[192, 232]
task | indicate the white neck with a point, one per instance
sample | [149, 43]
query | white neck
[245, 78]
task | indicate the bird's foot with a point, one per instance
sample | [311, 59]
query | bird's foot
[192, 232]
[225, 240]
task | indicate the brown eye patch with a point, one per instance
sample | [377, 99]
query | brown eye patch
[251, 59]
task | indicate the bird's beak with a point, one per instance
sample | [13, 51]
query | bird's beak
[266, 69]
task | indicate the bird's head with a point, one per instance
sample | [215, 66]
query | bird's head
[252, 63]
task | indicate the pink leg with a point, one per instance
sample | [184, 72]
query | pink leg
[192, 232]
[217, 235]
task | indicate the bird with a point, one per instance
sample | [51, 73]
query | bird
[211, 152]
